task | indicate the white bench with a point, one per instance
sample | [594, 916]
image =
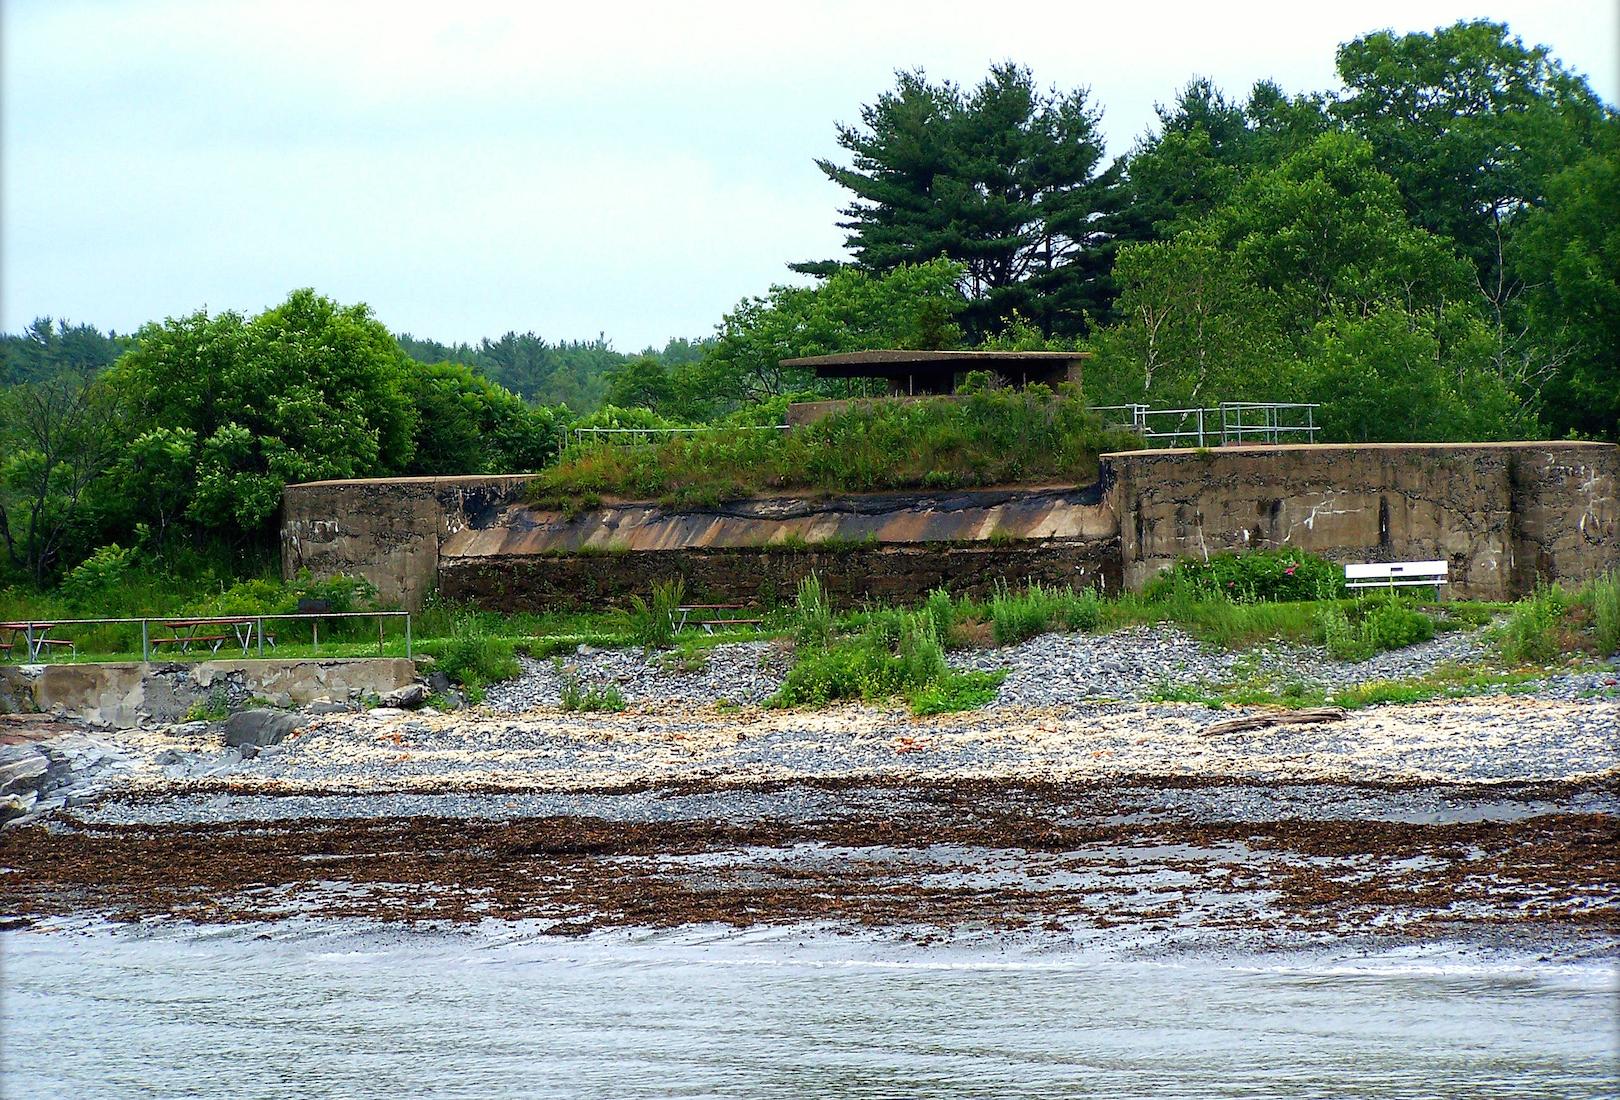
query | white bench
[1397, 574]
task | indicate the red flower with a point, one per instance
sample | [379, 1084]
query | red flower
[1289, 572]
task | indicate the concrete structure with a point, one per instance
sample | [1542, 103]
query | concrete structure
[1501, 514]
[128, 693]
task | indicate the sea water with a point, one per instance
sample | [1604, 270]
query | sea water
[339, 1009]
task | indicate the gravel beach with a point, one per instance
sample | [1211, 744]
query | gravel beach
[1073, 801]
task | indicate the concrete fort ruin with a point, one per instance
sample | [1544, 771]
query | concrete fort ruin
[1503, 515]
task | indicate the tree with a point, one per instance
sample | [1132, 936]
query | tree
[466, 424]
[1395, 376]
[1205, 145]
[1003, 180]
[912, 306]
[48, 348]
[1569, 259]
[302, 392]
[57, 436]
[1325, 230]
[1471, 124]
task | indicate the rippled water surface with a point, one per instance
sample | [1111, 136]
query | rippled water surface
[346, 1012]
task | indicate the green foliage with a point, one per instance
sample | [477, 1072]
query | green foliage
[474, 658]
[985, 439]
[1603, 594]
[305, 391]
[812, 614]
[1471, 124]
[956, 692]
[576, 698]
[1036, 609]
[653, 623]
[568, 372]
[1533, 633]
[466, 424]
[1253, 576]
[1377, 625]
[215, 708]
[1003, 179]
[102, 573]
[912, 305]
[1568, 256]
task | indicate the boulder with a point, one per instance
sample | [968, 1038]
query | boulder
[260, 727]
[411, 695]
[22, 771]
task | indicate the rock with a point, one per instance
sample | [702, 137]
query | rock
[279, 699]
[326, 706]
[189, 729]
[248, 750]
[24, 773]
[438, 683]
[16, 805]
[385, 712]
[168, 758]
[260, 727]
[409, 696]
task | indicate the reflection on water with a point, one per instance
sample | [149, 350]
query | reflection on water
[343, 1011]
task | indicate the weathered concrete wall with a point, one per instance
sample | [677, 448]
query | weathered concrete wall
[388, 530]
[1501, 514]
[128, 693]
[746, 575]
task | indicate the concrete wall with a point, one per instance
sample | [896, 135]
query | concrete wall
[1503, 515]
[388, 530]
[128, 693]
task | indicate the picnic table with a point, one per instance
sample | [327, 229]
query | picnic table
[190, 632]
[710, 622]
[36, 636]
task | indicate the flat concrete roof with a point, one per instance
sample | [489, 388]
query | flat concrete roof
[883, 363]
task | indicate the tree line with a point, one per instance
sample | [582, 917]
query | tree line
[1430, 252]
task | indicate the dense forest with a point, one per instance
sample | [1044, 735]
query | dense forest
[1430, 251]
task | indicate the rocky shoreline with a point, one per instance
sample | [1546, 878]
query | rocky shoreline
[1070, 803]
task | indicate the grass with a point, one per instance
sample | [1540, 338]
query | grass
[574, 698]
[991, 438]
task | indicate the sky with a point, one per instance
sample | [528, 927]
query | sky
[629, 169]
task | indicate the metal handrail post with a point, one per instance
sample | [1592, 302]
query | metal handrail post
[146, 643]
[258, 631]
[407, 634]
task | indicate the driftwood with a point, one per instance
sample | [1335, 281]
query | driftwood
[1273, 718]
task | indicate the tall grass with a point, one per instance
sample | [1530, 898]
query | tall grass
[652, 623]
[1037, 608]
[812, 613]
[983, 439]
[1604, 596]
[1533, 632]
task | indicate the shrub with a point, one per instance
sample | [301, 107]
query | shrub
[1532, 634]
[653, 624]
[1379, 625]
[1255, 576]
[574, 698]
[897, 654]
[102, 573]
[474, 658]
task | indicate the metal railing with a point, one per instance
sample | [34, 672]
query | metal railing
[34, 643]
[1240, 421]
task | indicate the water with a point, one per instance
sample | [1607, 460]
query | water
[340, 1010]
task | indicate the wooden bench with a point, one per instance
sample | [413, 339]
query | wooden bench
[1397, 574]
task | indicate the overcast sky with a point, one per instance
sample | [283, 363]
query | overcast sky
[470, 168]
